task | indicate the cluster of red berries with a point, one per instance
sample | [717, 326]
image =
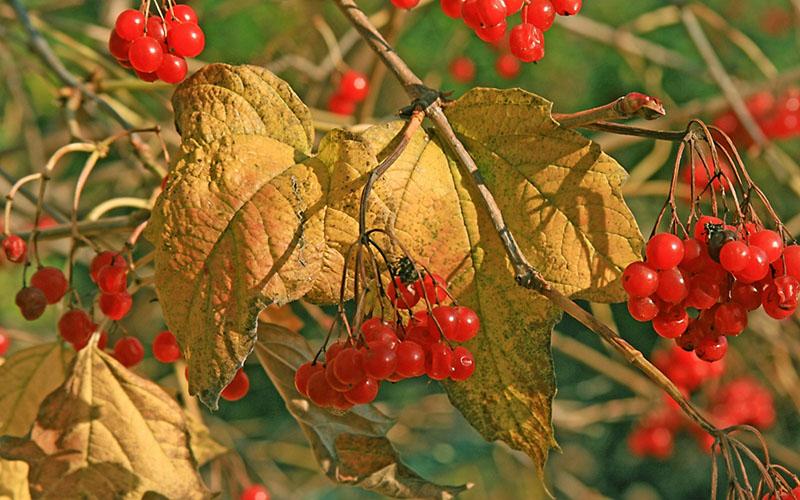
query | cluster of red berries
[778, 117]
[354, 369]
[718, 275]
[353, 88]
[48, 286]
[789, 495]
[156, 46]
[738, 402]
[109, 271]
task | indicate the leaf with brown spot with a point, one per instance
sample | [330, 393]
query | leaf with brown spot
[351, 447]
[107, 433]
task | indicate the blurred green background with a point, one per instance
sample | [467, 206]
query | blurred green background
[580, 71]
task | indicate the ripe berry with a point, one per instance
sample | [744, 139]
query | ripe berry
[165, 347]
[181, 14]
[513, 6]
[462, 69]
[451, 8]
[541, 14]
[462, 364]
[664, 251]
[730, 319]
[130, 24]
[363, 393]
[319, 390]
[746, 294]
[734, 256]
[104, 259]
[354, 86]
[527, 42]
[333, 350]
[407, 296]
[147, 77]
[115, 305]
[757, 266]
[341, 105]
[380, 360]
[52, 282]
[491, 12]
[173, 69]
[15, 248]
[469, 11]
[642, 308]
[438, 361]
[507, 66]
[770, 242]
[101, 342]
[567, 7]
[656, 441]
[446, 319]
[186, 40]
[671, 286]
[712, 348]
[118, 46]
[467, 326]
[303, 374]
[786, 289]
[31, 302]
[775, 305]
[236, 388]
[75, 326]
[405, 4]
[112, 279]
[382, 333]
[693, 250]
[129, 351]
[410, 359]
[791, 256]
[256, 491]
[333, 380]
[639, 280]
[156, 29]
[671, 323]
[349, 366]
[145, 54]
[492, 34]
[432, 287]
[5, 342]
[423, 335]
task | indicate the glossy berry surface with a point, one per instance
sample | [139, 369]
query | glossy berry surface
[186, 40]
[527, 42]
[462, 364]
[130, 24]
[181, 14]
[255, 492]
[165, 347]
[112, 279]
[303, 374]
[52, 282]
[567, 7]
[129, 351]
[363, 392]
[639, 280]
[104, 259]
[354, 86]
[236, 388]
[380, 360]
[5, 343]
[734, 256]
[173, 69]
[145, 54]
[410, 359]
[541, 14]
[341, 105]
[664, 251]
[405, 4]
[115, 305]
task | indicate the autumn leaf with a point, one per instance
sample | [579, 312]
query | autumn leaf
[351, 447]
[13, 480]
[107, 433]
[204, 447]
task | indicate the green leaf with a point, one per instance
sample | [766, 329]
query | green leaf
[351, 447]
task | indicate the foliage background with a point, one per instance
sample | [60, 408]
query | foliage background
[577, 73]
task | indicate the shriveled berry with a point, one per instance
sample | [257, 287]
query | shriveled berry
[236, 388]
[31, 302]
[15, 248]
[730, 318]
[526, 42]
[52, 282]
[746, 294]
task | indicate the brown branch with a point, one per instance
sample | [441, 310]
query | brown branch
[634, 104]
[378, 74]
[86, 228]
[525, 274]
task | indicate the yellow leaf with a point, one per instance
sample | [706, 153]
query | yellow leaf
[351, 447]
[14, 480]
[204, 447]
[282, 315]
[107, 433]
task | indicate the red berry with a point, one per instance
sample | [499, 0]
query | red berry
[491, 12]
[700, 229]
[469, 11]
[410, 359]
[639, 280]
[423, 334]
[101, 342]
[671, 286]
[349, 366]
[492, 33]
[236, 388]
[156, 29]
[671, 323]
[145, 54]
[118, 46]
[462, 69]
[104, 259]
[467, 326]
[147, 77]
[407, 298]
[432, 287]
[364, 392]
[130, 24]
[656, 441]
[112, 279]
[52, 282]
[775, 305]
[451, 8]
[730, 319]
[527, 42]
[664, 251]
[320, 391]
[791, 255]
[746, 294]
[181, 14]
[462, 364]
[642, 308]
[734, 256]
[256, 491]
[507, 66]
[380, 360]
[333, 380]
[757, 266]
[173, 69]
[446, 319]
[567, 7]
[5, 342]
[438, 361]
[341, 105]
[75, 326]
[333, 350]
[541, 14]
[770, 242]
[354, 86]
[186, 40]
[693, 250]
[165, 347]
[303, 374]
[31, 302]
[405, 4]
[786, 289]
[704, 292]
[712, 348]
[514, 6]
[15, 248]
[115, 305]
[129, 351]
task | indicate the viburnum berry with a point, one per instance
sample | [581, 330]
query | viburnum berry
[432, 287]
[467, 326]
[75, 326]
[671, 286]
[693, 251]
[491, 12]
[655, 441]
[104, 259]
[349, 366]
[786, 289]
[255, 492]
[642, 308]
[452, 8]
[462, 69]
[770, 242]
[775, 305]
[730, 318]
[704, 292]
[757, 266]
[541, 14]
[112, 279]
[734, 256]
[129, 351]
[526, 42]
[166, 348]
[701, 227]
[130, 24]
[181, 14]
[407, 296]
[639, 280]
[145, 54]
[333, 380]
[354, 86]
[746, 294]
[173, 69]
[236, 388]
[364, 392]
[341, 105]
[469, 11]
[185, 39]
[664, 251]
[52, 282]
[319, 390]
[156, 28]
[507, 66]
[423, 334]
[405, 4]
[410, 359]
[303, 374]
[712, 348]
[31, 302]
[514, 6]
[462, 364]
[380, 360]
[791, 257]
[444, 318]
[438, 361]
[334, 349]
[672, 322]
[5, 343]
[118, 46]
[115, 305]
[15, 248]
[567, 7]
[492, 33]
